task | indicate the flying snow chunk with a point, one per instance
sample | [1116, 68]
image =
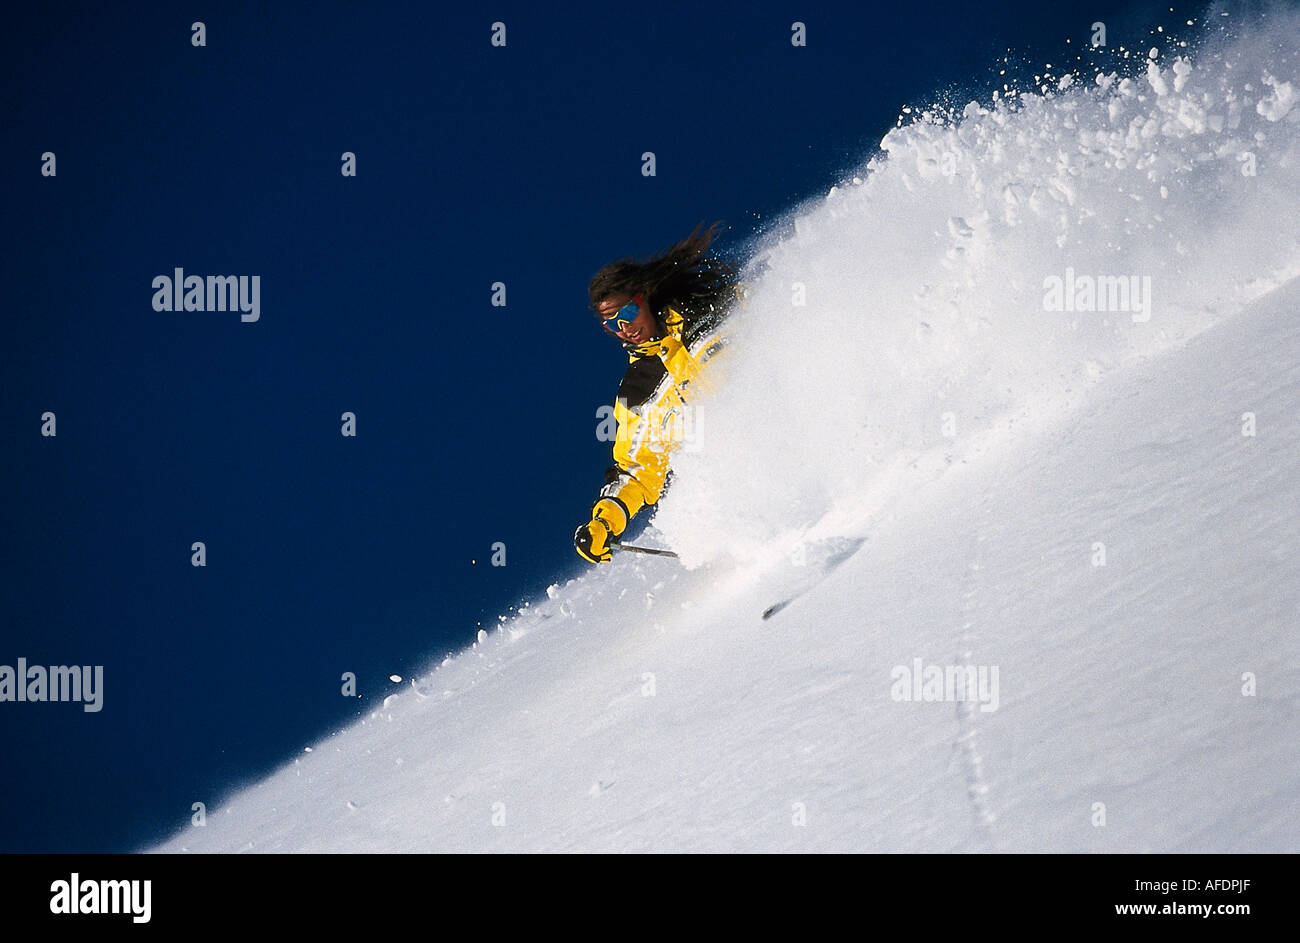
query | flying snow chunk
[396, 679]
[1278, 105]
[959, 228]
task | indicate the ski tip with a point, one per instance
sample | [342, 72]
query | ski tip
[773, 610]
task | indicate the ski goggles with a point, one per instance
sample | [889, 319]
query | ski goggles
[622, 319]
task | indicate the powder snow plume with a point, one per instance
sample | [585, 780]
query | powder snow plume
[898, 323]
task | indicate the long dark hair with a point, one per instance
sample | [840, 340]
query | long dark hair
[698, 285]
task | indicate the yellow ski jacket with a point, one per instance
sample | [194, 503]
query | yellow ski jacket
[655, 415]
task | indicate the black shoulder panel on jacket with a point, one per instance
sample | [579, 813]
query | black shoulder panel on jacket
[701, 323]
[639, 383]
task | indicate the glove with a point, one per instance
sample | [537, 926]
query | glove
[593, 538]
[592, 541]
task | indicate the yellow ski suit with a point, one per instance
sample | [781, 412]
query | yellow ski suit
[655, 415]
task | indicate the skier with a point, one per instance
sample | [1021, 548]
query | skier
[666, 311]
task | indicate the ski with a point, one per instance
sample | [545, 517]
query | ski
[777, 607]
[836, 552]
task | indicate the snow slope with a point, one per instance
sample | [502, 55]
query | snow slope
[1067, 497]
[1119, 684]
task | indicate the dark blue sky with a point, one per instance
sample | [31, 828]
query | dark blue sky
[476, 424]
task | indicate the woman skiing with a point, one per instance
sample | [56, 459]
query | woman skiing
[666, 311]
